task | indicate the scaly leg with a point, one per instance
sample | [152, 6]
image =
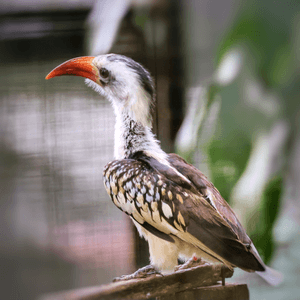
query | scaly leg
[140, 273]
[192, 262]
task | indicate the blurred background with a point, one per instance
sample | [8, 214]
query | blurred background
[227, 74]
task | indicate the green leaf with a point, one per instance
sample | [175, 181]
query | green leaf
[262, 235]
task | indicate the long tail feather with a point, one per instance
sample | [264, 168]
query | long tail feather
[271, 276]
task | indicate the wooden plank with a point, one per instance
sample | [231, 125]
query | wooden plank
[152, 286]
[230, 291]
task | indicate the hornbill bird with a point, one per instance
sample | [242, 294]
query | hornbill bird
[172, 204]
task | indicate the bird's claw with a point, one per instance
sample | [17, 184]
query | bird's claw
[192, 262]
[140, 273]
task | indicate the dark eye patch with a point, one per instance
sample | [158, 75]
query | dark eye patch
[143, 74]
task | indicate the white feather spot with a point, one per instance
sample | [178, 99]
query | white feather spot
[166, 210]
[128, 207]
[151, 191]
[121, 199]
[157, 196]
[129, 185]
[149, 198]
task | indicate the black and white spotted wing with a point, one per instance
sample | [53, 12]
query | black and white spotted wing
[191, 209]
[147, 196]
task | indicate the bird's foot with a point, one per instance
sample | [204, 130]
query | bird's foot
[192, 262]
[140, 273]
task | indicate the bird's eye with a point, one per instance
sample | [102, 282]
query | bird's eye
[104, 73]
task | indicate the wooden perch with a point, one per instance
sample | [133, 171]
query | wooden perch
[152, 286]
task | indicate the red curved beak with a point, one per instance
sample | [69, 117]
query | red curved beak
[80, 66]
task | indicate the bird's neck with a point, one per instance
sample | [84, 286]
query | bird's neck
[132, 136]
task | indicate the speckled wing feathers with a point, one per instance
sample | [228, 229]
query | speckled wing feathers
[210, 193]
[167, 205]
[238, 248]
[151, 199]
[144, 195]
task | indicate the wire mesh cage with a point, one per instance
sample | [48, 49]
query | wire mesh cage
[56, 137]
[59, 228]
